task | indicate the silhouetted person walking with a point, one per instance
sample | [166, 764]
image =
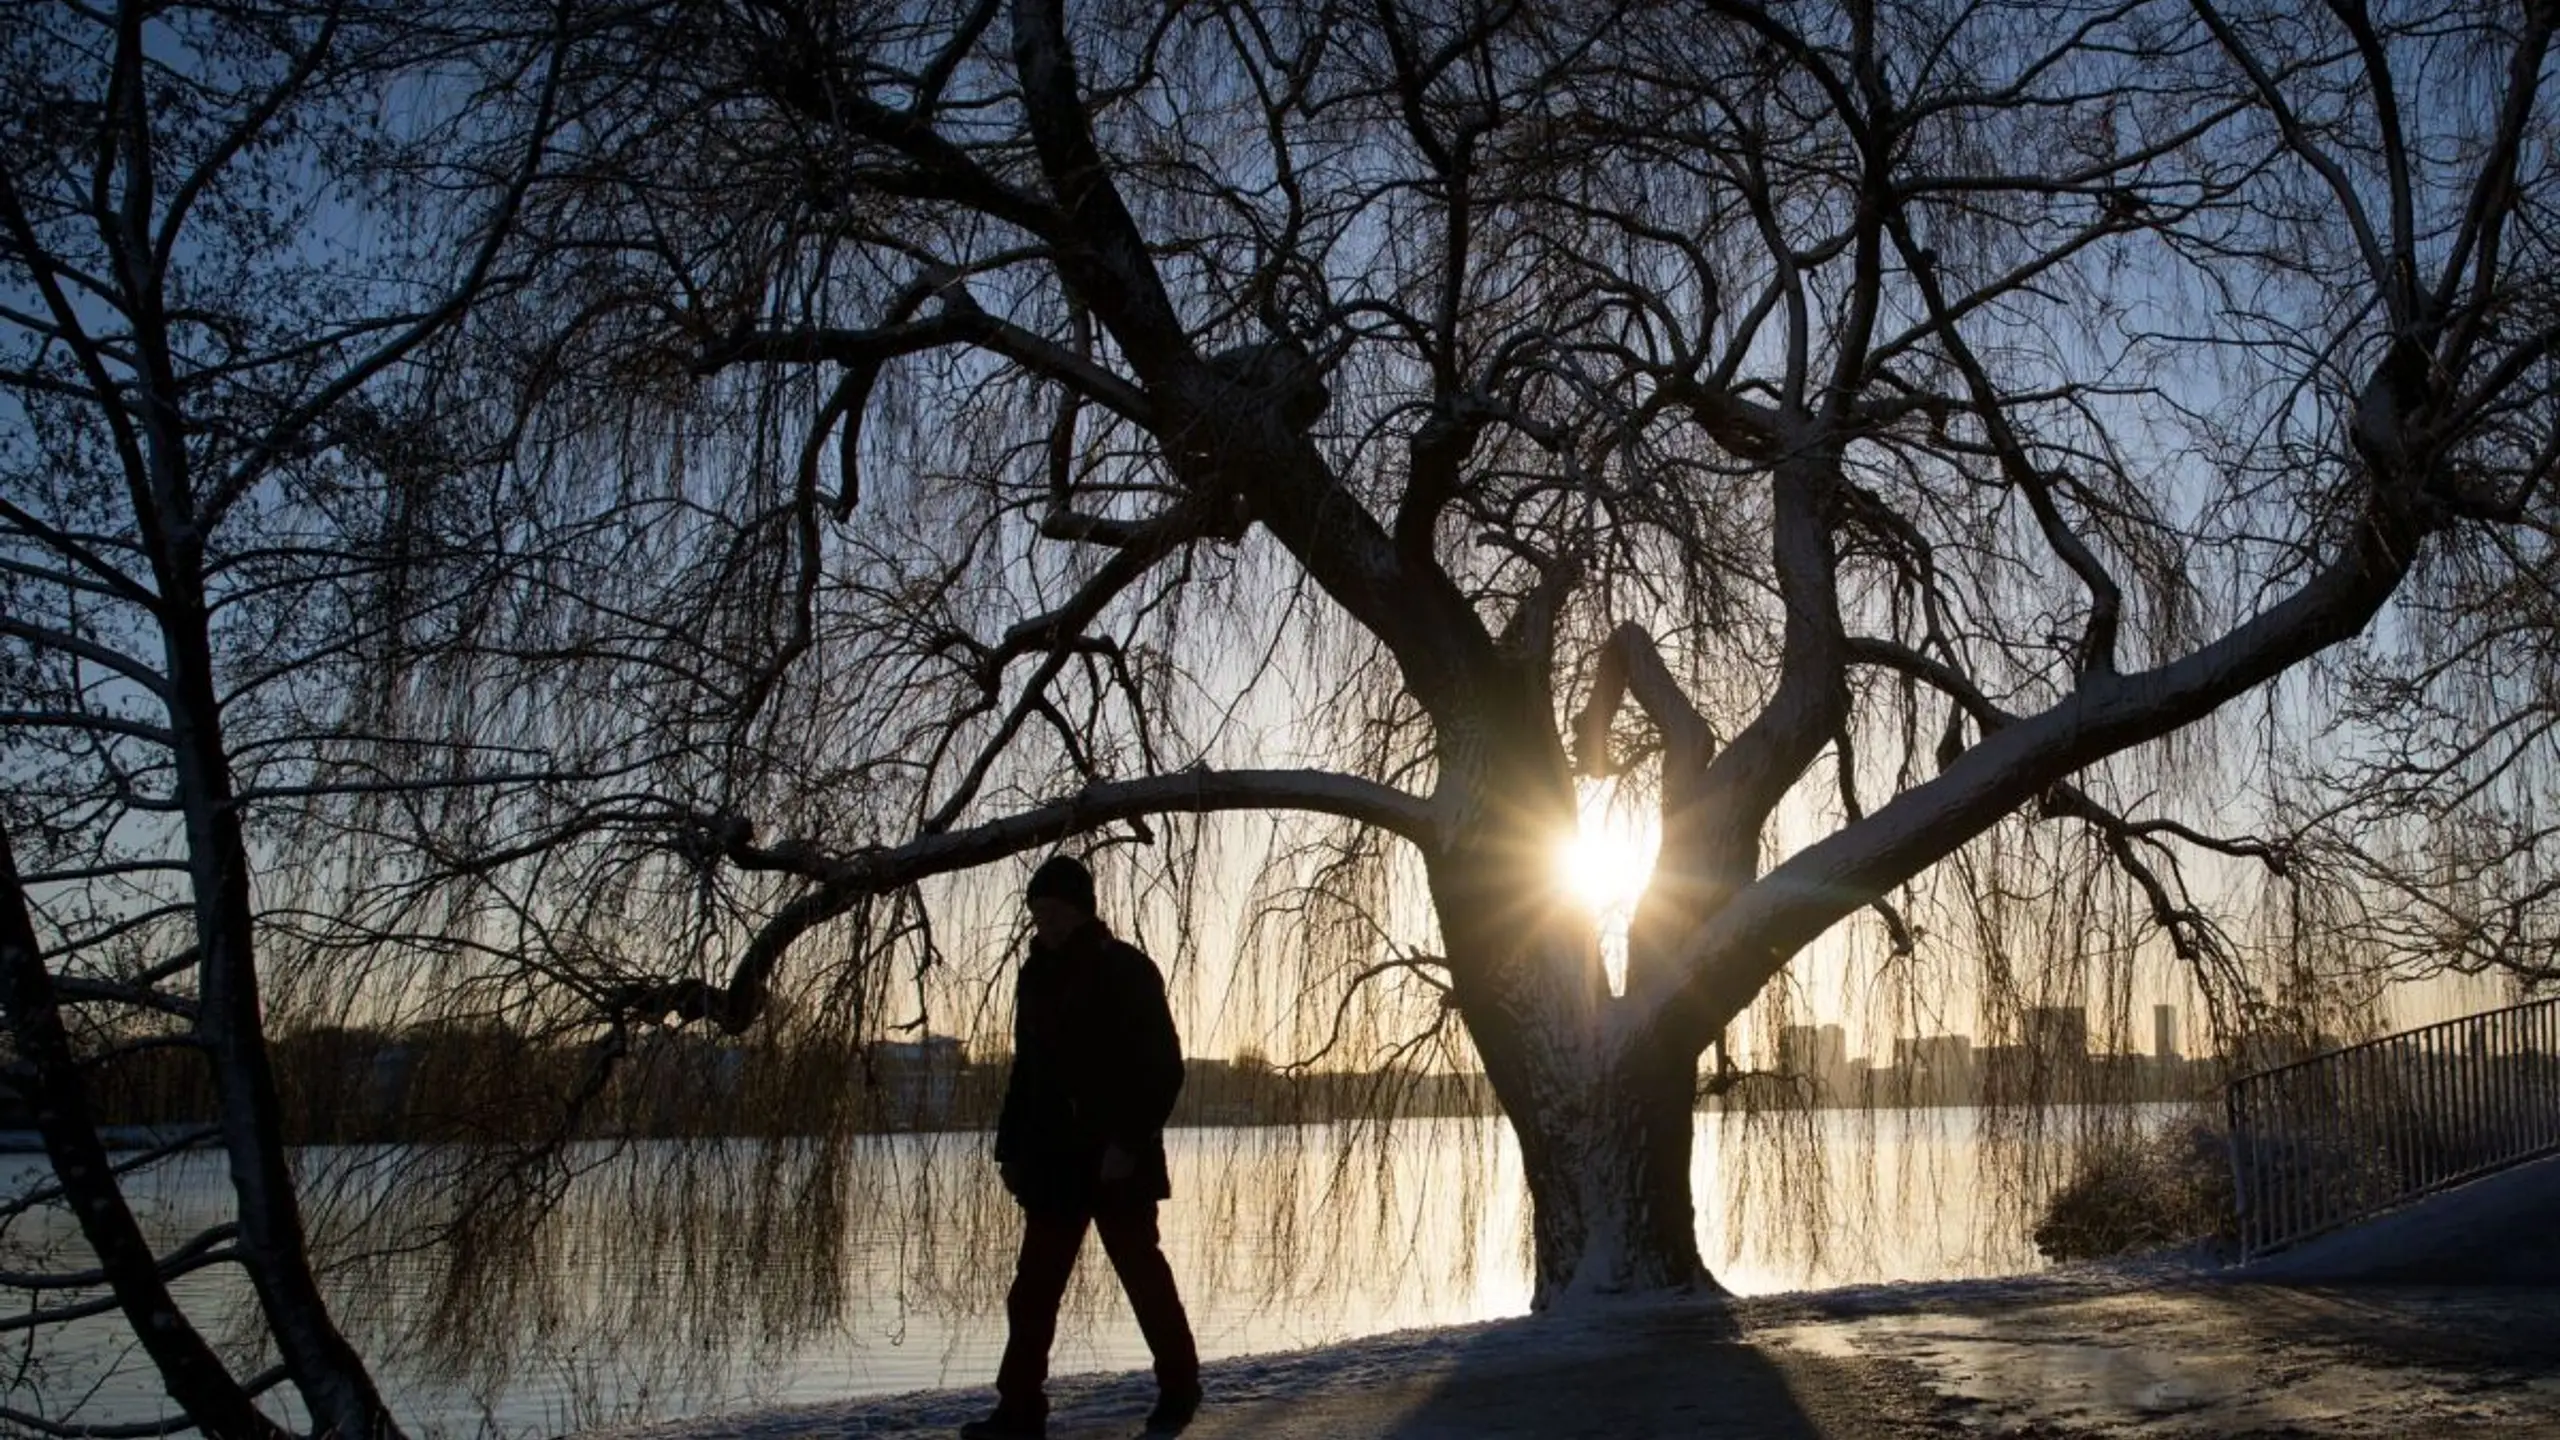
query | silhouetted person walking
[1096, 1067]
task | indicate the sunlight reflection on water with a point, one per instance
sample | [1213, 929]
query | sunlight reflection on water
[1282, 1237]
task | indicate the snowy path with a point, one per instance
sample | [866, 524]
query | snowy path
[2124, 1356]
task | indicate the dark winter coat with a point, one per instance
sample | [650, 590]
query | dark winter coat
[1095, 1062]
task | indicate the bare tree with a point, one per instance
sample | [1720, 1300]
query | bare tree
[232, 237]
[1875, 439]
[1875, 434]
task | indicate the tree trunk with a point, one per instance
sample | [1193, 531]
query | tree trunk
[49, 1073]
[273, 1245]
[1603, 1107]
[1608, 1171]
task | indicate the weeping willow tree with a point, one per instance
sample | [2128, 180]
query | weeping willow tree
[1920, 458]
[1871, 436]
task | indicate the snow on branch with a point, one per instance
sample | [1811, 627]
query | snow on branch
[2016, 763]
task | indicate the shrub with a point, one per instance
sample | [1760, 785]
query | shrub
[2171, 1187]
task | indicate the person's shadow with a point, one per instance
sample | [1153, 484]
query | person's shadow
[1670, 1370]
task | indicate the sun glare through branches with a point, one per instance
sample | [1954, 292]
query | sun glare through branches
[1605, 865]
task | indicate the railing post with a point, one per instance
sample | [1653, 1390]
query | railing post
[2234, 1136]
[2503, 1074]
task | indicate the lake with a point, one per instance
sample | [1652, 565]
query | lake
[681, 1280]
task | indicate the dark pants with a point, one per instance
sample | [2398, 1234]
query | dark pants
[1050, 1240]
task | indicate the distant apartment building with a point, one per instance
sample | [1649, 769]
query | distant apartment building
[919, 1080]
[1935, 1069]
[2164, 1033]
[2058, 1034]
[2046, 1062]
[1819, 1053]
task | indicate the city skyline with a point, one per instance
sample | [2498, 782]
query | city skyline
[2060, 1028]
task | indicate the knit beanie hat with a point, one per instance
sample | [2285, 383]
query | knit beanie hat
[1062, 877]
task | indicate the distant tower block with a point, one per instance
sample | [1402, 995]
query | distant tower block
[2059, 1033]
[1831, 1057]
[2164, 1031]
[1819, 1053]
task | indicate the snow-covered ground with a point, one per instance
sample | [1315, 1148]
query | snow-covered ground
[2156, 1350]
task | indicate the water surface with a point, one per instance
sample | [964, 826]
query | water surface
[682, 1280]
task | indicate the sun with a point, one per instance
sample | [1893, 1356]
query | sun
[1606, 862]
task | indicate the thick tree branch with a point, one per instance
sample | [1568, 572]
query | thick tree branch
[75, 990]
[2106, 598]
[957, 323]
[1630, 665]
[112, 578]
[2477, 244]
[89, 723]
[1750, 940]
[1059, 635]
[2396, 289]
[1104, 256]
[1810, 699]
[847, 881]
[46, 637]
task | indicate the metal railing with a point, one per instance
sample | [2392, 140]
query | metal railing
[2330, 1140]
